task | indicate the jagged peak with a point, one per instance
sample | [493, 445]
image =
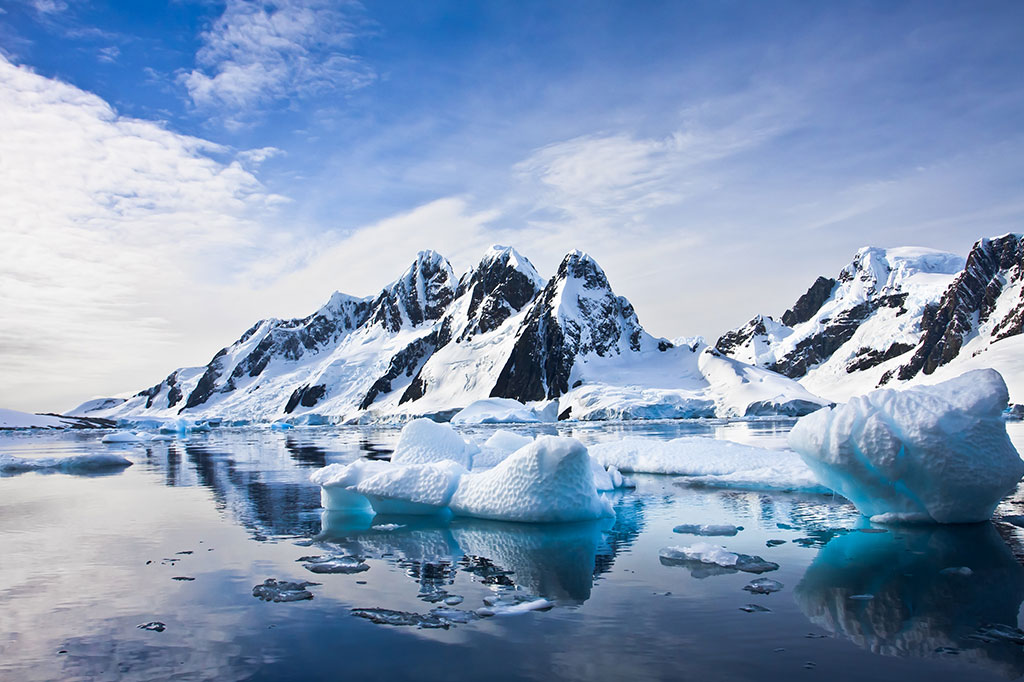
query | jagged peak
[580, 265]
[420, 295]
[508, 256]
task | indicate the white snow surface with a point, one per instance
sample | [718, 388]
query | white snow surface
[927, 454]
[711, 462]
[72, 464]
[500, 445]
[549, 480]
[423, 441]
[504, 411]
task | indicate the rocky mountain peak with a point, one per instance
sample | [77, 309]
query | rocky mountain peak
[421, 294]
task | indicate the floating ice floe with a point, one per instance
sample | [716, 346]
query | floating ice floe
[707, 529]
[437, 619]
[283, 590]
[423, 441]
[763, 586]
[504, 411]
[126, 437]
[512, 605]
[925, 454]
[72, 464]
[711, 462]
[334, 564]
[549, 480]
[705, 553]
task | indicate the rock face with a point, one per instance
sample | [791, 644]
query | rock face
[985, 298]
[431, 344]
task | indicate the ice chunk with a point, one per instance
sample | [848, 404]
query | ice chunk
[72, 464]
[338, 481]
[406, 618]
[707, 461]
[125, 437]
[707, 529]
[153, 626]
[763, 586]
[929, 453]
[423, 441]
[504, 411]
[334, 564]
[706, 553]
[550, 480]
[412, 488]
[755, 608]
[282, 590]
[514, 607]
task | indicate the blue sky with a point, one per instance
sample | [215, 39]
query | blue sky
[177, 170]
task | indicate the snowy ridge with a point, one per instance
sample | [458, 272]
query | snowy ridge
[896, 315]
[431, 344]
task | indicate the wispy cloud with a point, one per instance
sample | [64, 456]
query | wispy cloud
[259, 53]
[109, 54]
[112, 228]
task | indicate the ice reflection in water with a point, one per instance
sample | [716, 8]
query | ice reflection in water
[918, 608]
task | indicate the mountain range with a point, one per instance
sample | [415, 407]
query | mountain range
[431, 342]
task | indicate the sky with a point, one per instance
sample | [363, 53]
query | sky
[171, 172]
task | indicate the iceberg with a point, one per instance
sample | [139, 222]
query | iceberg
[549, 480]
[710, 462]
[126, 437]
[337, 483]
[72, 464]
[504, 411]
[937, 454]
[500, 445]
[423, 441]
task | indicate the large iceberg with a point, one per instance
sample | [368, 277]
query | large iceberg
[930, 453]
[338, 481]
[412, 488]
[550, 480]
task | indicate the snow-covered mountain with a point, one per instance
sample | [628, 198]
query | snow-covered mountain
[430, 344]
[897, 315]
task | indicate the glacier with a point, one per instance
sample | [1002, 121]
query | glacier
[935, 454]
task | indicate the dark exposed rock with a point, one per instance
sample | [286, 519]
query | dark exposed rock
[307, 396]
[991, 265]
[817, 348]
[406, 362]
[810, 303]
[539, 365]
[422, 294]
[731, 341]
[497, 289]
[867, 358]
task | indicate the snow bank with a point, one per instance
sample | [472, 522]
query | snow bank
[931, 453]
[13, 419]
[708, 461]
[423, 441]
[73, 464]
[504, 411]
[550, 480]
[412, 488]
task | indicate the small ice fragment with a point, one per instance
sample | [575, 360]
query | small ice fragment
[774, 543]
[187, 551]
[754, 608]
[957, 570]
[387, 526]
[154, 626]
[763, 586]
[282, 590]
[454, 600]
[705, 553]
[948, 650]
[454, 615]
[403, 618]
[72, 464]
[183, 578]
[334, 564]
[707, 529]
[861, 597]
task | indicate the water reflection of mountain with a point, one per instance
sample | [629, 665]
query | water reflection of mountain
[557, 561]
[918, 607]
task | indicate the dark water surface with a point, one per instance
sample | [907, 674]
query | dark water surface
[85, 560]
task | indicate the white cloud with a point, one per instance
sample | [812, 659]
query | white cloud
[257, 53]
[49, 6]
[114, 232]
[109, 54]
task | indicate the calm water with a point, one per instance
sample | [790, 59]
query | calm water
[85, 560]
